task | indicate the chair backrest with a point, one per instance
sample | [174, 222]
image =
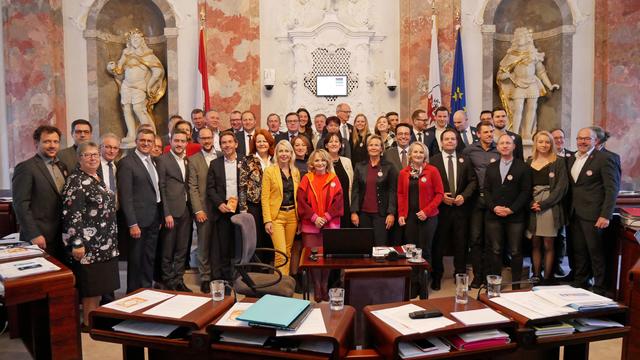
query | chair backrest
[245, 237]
[374, 286]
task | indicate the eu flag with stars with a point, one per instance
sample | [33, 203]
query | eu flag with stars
[458, 98]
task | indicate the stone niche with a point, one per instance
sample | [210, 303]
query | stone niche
[552, 25]
[107, 22]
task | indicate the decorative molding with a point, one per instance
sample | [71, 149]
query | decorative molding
[563, 29]
[80, 19]
[331, 25]
[120, 39]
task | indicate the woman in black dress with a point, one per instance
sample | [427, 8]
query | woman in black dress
[359, 139]
[90, 230]
[305, 123]
[302, 149]
[344, 170]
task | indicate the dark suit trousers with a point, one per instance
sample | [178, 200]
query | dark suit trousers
[476, 238]
[222, 248]
[497, 233]
[175, 244]
[588, 253]
[420, 233]
[142, 253]
[377, 222]
[452, 229]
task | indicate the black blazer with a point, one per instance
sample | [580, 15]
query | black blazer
[386, 187]
[284, 136]
[37, 202]
[466, 181]
[432, 142]
[241, 152]
[594, 194]
[136, 192]
[518, 152]
[173, 187]
[558, 187]
[514, 193]
[217, 184]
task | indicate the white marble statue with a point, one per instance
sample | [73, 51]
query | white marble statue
[522, 79]
[140, 77]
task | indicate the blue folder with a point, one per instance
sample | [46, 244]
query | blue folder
[277, 312]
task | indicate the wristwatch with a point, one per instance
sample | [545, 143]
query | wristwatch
[76, 244]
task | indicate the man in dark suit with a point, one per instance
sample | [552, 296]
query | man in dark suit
[174, 237]
[293, 127]
[36, 189]
[433, 138]
[460, 184]
[602, 136]
[420, 120]
[81, 130]
[235, 121]
[500, 120]
[562, 244]
[244, 136]
[486, 115]
[507, 192]
[468, 134]
[273, 124]
[198, 121]
[222, 185]
[595, 182]
[139, 196]
[343, 112]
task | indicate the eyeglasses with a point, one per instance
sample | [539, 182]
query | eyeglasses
[113, 148]
[91, 155]
[584, 138]
[346, 111]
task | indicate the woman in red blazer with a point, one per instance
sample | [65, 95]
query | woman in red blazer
[420, 191]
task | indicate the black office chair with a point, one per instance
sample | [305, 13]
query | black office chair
[247, 281]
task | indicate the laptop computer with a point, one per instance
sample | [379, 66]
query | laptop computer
[277, 312]
[347, 243]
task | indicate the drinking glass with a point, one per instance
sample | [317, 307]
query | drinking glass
[462, 288]
[217, 290]
[336, 299]
[409, 248]
[494, 283]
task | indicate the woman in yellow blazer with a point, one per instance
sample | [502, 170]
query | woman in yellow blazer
[279, 187]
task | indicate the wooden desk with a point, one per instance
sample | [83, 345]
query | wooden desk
[195, 345]
[632, 299]
[576, 345]
[43, 311]
[386, 339]
[339, 326]
[307, 264]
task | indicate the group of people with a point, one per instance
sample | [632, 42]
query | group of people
[460, 186]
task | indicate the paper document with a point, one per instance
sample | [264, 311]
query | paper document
[145, 328]
[230, 317]
[530, 305]
[15, 251]
[478, 317]
[564, 296]
[381, 251]
[16, 269]
[246, 338]
[398, 318]
[138, 301]
[10, 239]
[178, 306]
[313, 324]
[408, 350]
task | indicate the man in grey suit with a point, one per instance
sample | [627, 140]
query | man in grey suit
[201, 205]
[174, 237]
[36, 189]
[139, 196]
[81, 130]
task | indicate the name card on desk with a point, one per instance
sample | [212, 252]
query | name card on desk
[138, 301]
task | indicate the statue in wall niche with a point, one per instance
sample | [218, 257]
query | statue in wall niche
[140, 78]
[521, 80]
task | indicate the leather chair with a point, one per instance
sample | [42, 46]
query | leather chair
[248, 281]
[374, 286]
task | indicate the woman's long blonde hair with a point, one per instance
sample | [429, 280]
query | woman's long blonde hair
[534, 152]
[357, 138]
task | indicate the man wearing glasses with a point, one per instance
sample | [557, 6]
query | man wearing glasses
[420, 119]
[81, 130]
[343, 112]
[293, 127]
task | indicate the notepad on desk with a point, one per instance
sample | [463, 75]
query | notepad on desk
[398, 318]
[277, 312]
[138, 301]
[20, 268]
[479, 317]
[178, 306]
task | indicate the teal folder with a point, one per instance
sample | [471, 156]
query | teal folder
[275, 311]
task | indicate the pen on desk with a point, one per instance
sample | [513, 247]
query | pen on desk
[30, 266]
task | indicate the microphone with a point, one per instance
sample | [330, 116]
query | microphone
[532, 282]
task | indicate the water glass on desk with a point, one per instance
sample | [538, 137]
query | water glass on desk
[494, 283]
[217, 290]
[462, 288]
[336, 299]
[409, 249]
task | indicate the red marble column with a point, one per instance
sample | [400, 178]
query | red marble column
[233, 55]
[34, 71]
[617, 80]
[415, 45]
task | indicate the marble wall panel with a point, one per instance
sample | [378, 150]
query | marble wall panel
[617, 80]
[415, 44]
[34, 71]
[233, 55]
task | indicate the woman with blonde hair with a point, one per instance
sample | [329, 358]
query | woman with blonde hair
[359, 139]
[383, 129]
[550, 184]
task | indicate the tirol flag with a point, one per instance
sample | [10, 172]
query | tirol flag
[434, 95]
[458, 98]
[202, 96]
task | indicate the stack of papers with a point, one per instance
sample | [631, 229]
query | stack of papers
[398, 318]
[531, 306]
[230, 318]
[558, 328]
[145, 328]
[576, 298]
[178, 306]
[409, 350]
[17, 250]
[244, 338]
[479, 339]
[16, 269]
[479, 317]
[138, 301]
[589, 324]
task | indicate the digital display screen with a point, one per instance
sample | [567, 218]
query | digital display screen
[331, 85]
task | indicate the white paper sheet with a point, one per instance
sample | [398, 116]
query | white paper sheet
[178, 306]
[530, 305]
[138, 301]
[145, 328]
[481, 316]
[399, 319]
[10, 251]
[16, 269]
[313, 324]
[229, 318]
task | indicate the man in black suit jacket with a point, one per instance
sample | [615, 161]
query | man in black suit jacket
[172, 181]
[420, 120]
[244, 136]
[273, 124]
[139, 196]
[507, 192]
[36, 189]
[595, 182]
[293, 127]
[500, 123]
[562, 244]
[468, 134]
[81, 130]
[433, 133]
[222, 185]
[460, 184]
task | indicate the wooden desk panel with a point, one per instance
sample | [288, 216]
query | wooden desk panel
[8, 223]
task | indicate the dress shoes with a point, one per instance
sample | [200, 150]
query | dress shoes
[476, 283]
[182, 287]
[436, 283]
[205, 287]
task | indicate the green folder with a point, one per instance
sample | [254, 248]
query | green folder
[277, 312]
